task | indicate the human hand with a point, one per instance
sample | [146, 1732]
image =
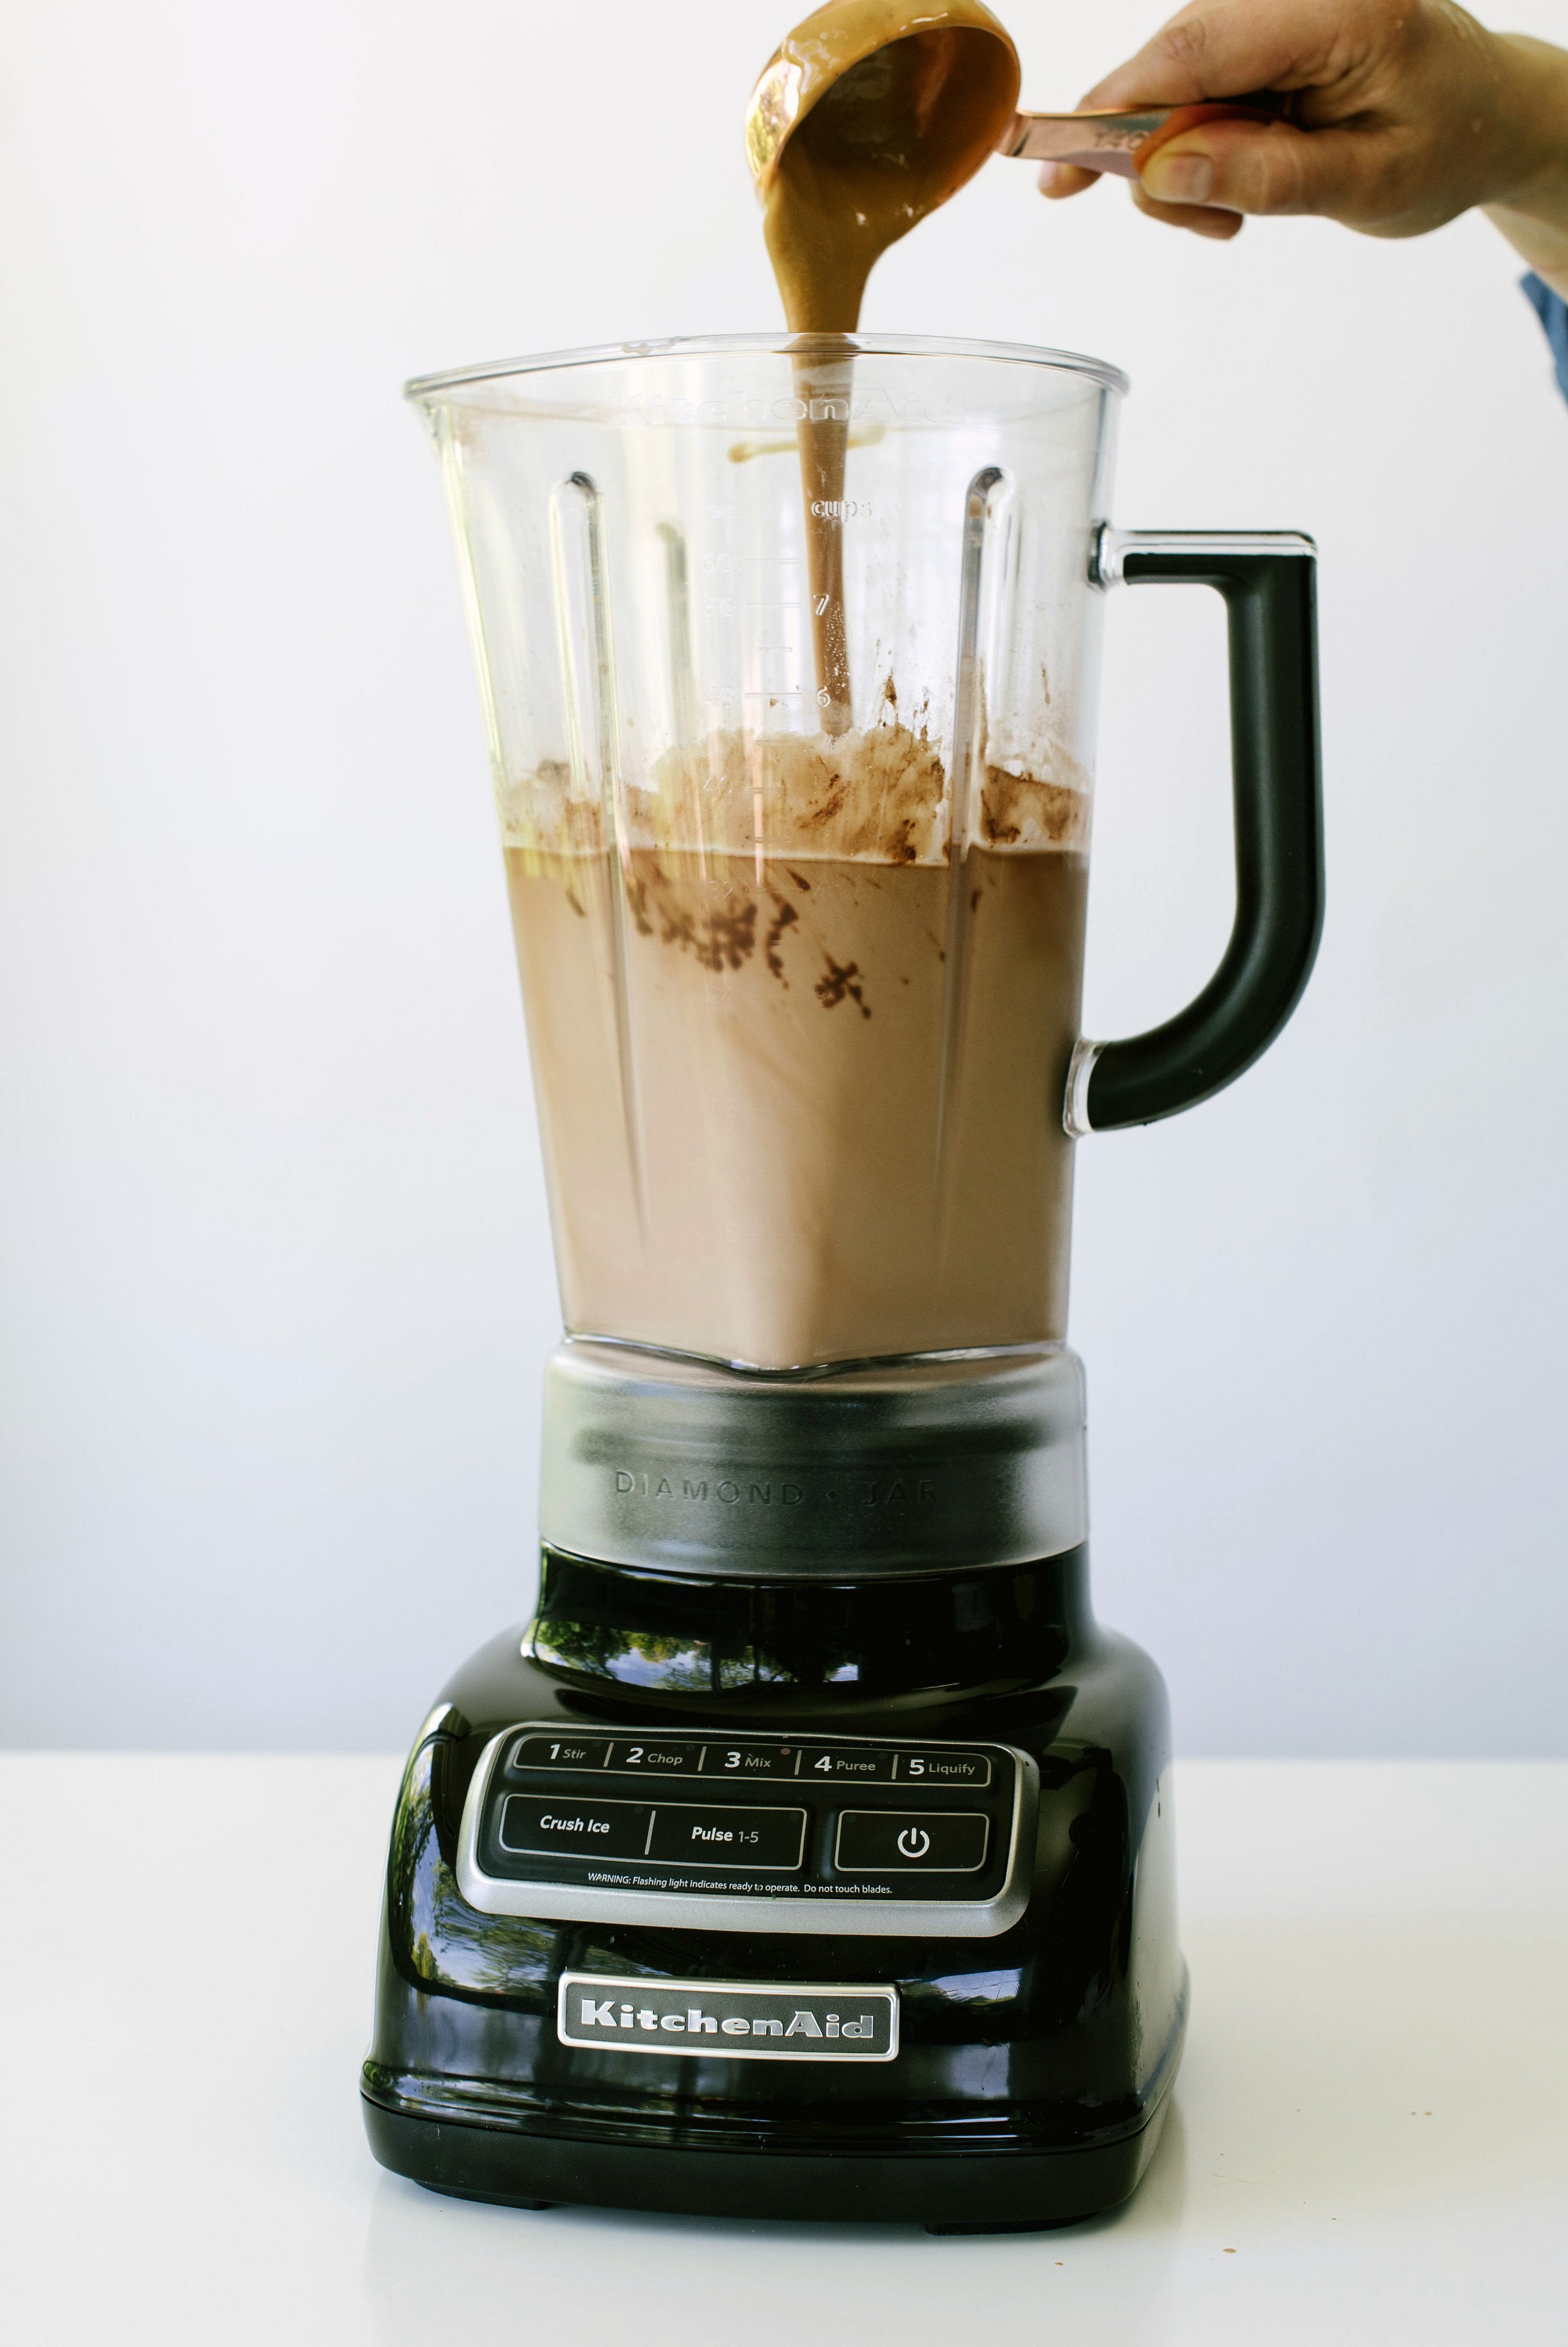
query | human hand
[1403, 114]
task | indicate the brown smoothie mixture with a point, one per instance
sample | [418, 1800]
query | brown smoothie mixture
[784, 1123]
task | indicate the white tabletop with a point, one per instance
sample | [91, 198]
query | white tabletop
[1369, 2141]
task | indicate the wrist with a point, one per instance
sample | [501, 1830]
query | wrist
[1531, 212]
[1535, 78]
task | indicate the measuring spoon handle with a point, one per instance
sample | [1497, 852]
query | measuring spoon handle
[1118, 139]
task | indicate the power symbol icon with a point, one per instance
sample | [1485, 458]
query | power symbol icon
[913, 1842]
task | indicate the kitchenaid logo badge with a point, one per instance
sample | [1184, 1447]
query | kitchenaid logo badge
[728, 2020]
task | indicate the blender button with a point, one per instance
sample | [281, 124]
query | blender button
[689, 1834]
[550, 1824]
[888, 1842]
[847, 1763]
[741, 1761]
[652, 1756]
[941, 1768]
[560, 1752]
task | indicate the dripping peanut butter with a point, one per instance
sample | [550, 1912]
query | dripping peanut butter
[867, 117]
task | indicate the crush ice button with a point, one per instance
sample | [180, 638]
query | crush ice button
[554, 1825]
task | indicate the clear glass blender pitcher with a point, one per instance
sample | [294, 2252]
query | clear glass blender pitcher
[787, 652]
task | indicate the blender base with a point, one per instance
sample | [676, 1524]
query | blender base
[972, 2192]
[1030, 2012]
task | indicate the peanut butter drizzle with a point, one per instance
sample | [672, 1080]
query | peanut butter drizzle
[868, 115]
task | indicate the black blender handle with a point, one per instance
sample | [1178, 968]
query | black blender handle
[1268, 580]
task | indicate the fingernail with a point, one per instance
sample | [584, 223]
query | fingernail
[1050, 173]
[1179, 178]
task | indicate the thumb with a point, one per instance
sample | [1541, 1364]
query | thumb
[1247, 167]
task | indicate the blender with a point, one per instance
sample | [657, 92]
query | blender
[809, 1852]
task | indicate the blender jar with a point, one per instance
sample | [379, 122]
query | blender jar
[787, 650]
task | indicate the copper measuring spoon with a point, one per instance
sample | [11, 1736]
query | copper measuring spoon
[838, 43]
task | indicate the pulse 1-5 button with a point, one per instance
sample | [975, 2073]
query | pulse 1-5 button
[894, 1841]
[685, 1834]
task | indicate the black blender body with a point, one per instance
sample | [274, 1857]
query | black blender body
[1033, 2068]
[810, 1853]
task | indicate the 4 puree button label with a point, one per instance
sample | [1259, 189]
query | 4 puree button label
[846, 1764]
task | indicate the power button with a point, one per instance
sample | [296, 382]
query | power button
[896, 1841]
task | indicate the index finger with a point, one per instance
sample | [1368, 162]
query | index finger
[1057, 179]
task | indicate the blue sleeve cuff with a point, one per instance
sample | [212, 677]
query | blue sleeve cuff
[1553, 313]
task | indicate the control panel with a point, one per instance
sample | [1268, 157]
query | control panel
[753, 1833]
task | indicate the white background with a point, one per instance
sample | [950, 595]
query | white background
[274, 1273]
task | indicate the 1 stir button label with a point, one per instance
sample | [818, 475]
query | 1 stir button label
[560, 1752]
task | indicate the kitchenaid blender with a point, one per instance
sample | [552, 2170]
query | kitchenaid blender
[809, 1852]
